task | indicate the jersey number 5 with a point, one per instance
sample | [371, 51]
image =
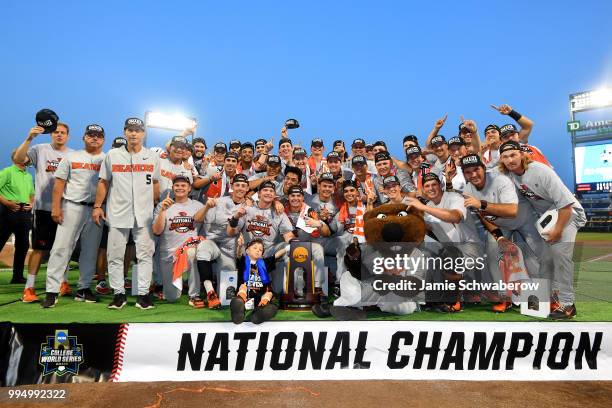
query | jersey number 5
[148, 179]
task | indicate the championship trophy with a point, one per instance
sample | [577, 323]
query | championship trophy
[299, 289]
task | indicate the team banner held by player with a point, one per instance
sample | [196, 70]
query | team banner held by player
[364, 350]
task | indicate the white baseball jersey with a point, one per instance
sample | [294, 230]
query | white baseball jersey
[179, 225]
[544, 190]
[501, 190]
[167, 172]
[129, 202]
[45, 160]
[81, 171]
[264, 224]
[466, 228]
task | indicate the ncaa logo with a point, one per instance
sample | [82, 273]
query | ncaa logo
[231, 279]
[61, 337]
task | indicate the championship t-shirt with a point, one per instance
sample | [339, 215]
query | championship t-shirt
[179, 225]
[264, 224]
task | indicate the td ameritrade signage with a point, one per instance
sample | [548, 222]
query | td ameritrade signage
[365, 350]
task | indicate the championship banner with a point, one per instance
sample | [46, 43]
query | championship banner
[389, 350]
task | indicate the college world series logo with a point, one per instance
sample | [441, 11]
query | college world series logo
[61, 354]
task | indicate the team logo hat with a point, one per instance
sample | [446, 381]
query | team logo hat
[47, 119]
[267, 184]
[359, 160]
[411, 138]
[327, 176]
[285, 140]
[273, 159]
[349, 183]
[94, 129]
[430, 176]
[299, 152]
[510, 145]
[507, 129]
[317, 142]
[240, 178]
[489, 127]
[358, 143]
[119, 142]
[471, 160]
[181, 177]
[247, 145]
[295, 190]
[381, 156]
[133, 123]
[456, 141]
[235, 143]
[413, 150]
[390, 181]
[220, 147]
[338, 143]
[179, 141]
[260, 142]
[438, 140]
[333, 156]
[233, 155]
[292, 124]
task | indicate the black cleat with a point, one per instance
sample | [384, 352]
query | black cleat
[85, 295]
[50, 300]
[118, 302]
[347, 313]
[237, 309]
[18, 279]
[144, 302]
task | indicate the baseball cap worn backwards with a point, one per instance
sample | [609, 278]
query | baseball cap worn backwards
[510, 145]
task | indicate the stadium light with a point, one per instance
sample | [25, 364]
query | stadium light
[162, 120]
[599, 98]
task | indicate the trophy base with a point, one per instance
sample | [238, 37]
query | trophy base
[291, 302]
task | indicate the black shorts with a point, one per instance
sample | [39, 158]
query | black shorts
[43, 233]
[104, 240]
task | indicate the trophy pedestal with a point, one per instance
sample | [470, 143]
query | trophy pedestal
[299, 289]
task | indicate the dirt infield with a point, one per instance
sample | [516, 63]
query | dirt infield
[330, 394]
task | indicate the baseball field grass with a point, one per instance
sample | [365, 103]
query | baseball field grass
[593, 285]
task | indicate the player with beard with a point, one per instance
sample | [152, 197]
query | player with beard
[263, 222]
[496, 198]
[175, 222]
[246, 165]
[45, 158]
[455, 180]
[222, 186]
[307, 227]
[545, 191]
[450, 222]
[384, 169]
[510, 133]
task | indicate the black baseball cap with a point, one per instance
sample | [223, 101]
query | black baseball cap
[489, 127]
[285, 140]
[437, 140]
[47, 119]
[317, 142]
[413, 150]
[430, 176]
[507, 129]
[273, 159]
[119, 141]
[379, 143]
[381, 156]
[358, 143]
[327, 176]
[240, 178]
[232, 154]
[295, 170]
[389, 180]
[181, 177]
[509, 145]
[295, 190]
[94, 129]
[471, 160]
[369, 146]
[292, 124]
[260, 142]
[235, 143]
[247, 145]
[359, 160]
[462, 126]
[349, 183]
[338, 143]
[134, 123]
[178, 141]
[333, 156]
[220, 147]
[456, 141]
[267, 184]
[411, 138]
[298, 151]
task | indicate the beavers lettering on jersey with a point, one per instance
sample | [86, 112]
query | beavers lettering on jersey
[182, 223]
[259, 226]
[52, 165]
[86, 166]
[527, 193]
[133, 168]
[167, 174]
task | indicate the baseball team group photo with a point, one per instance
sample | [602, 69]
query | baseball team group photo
[232, 202]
